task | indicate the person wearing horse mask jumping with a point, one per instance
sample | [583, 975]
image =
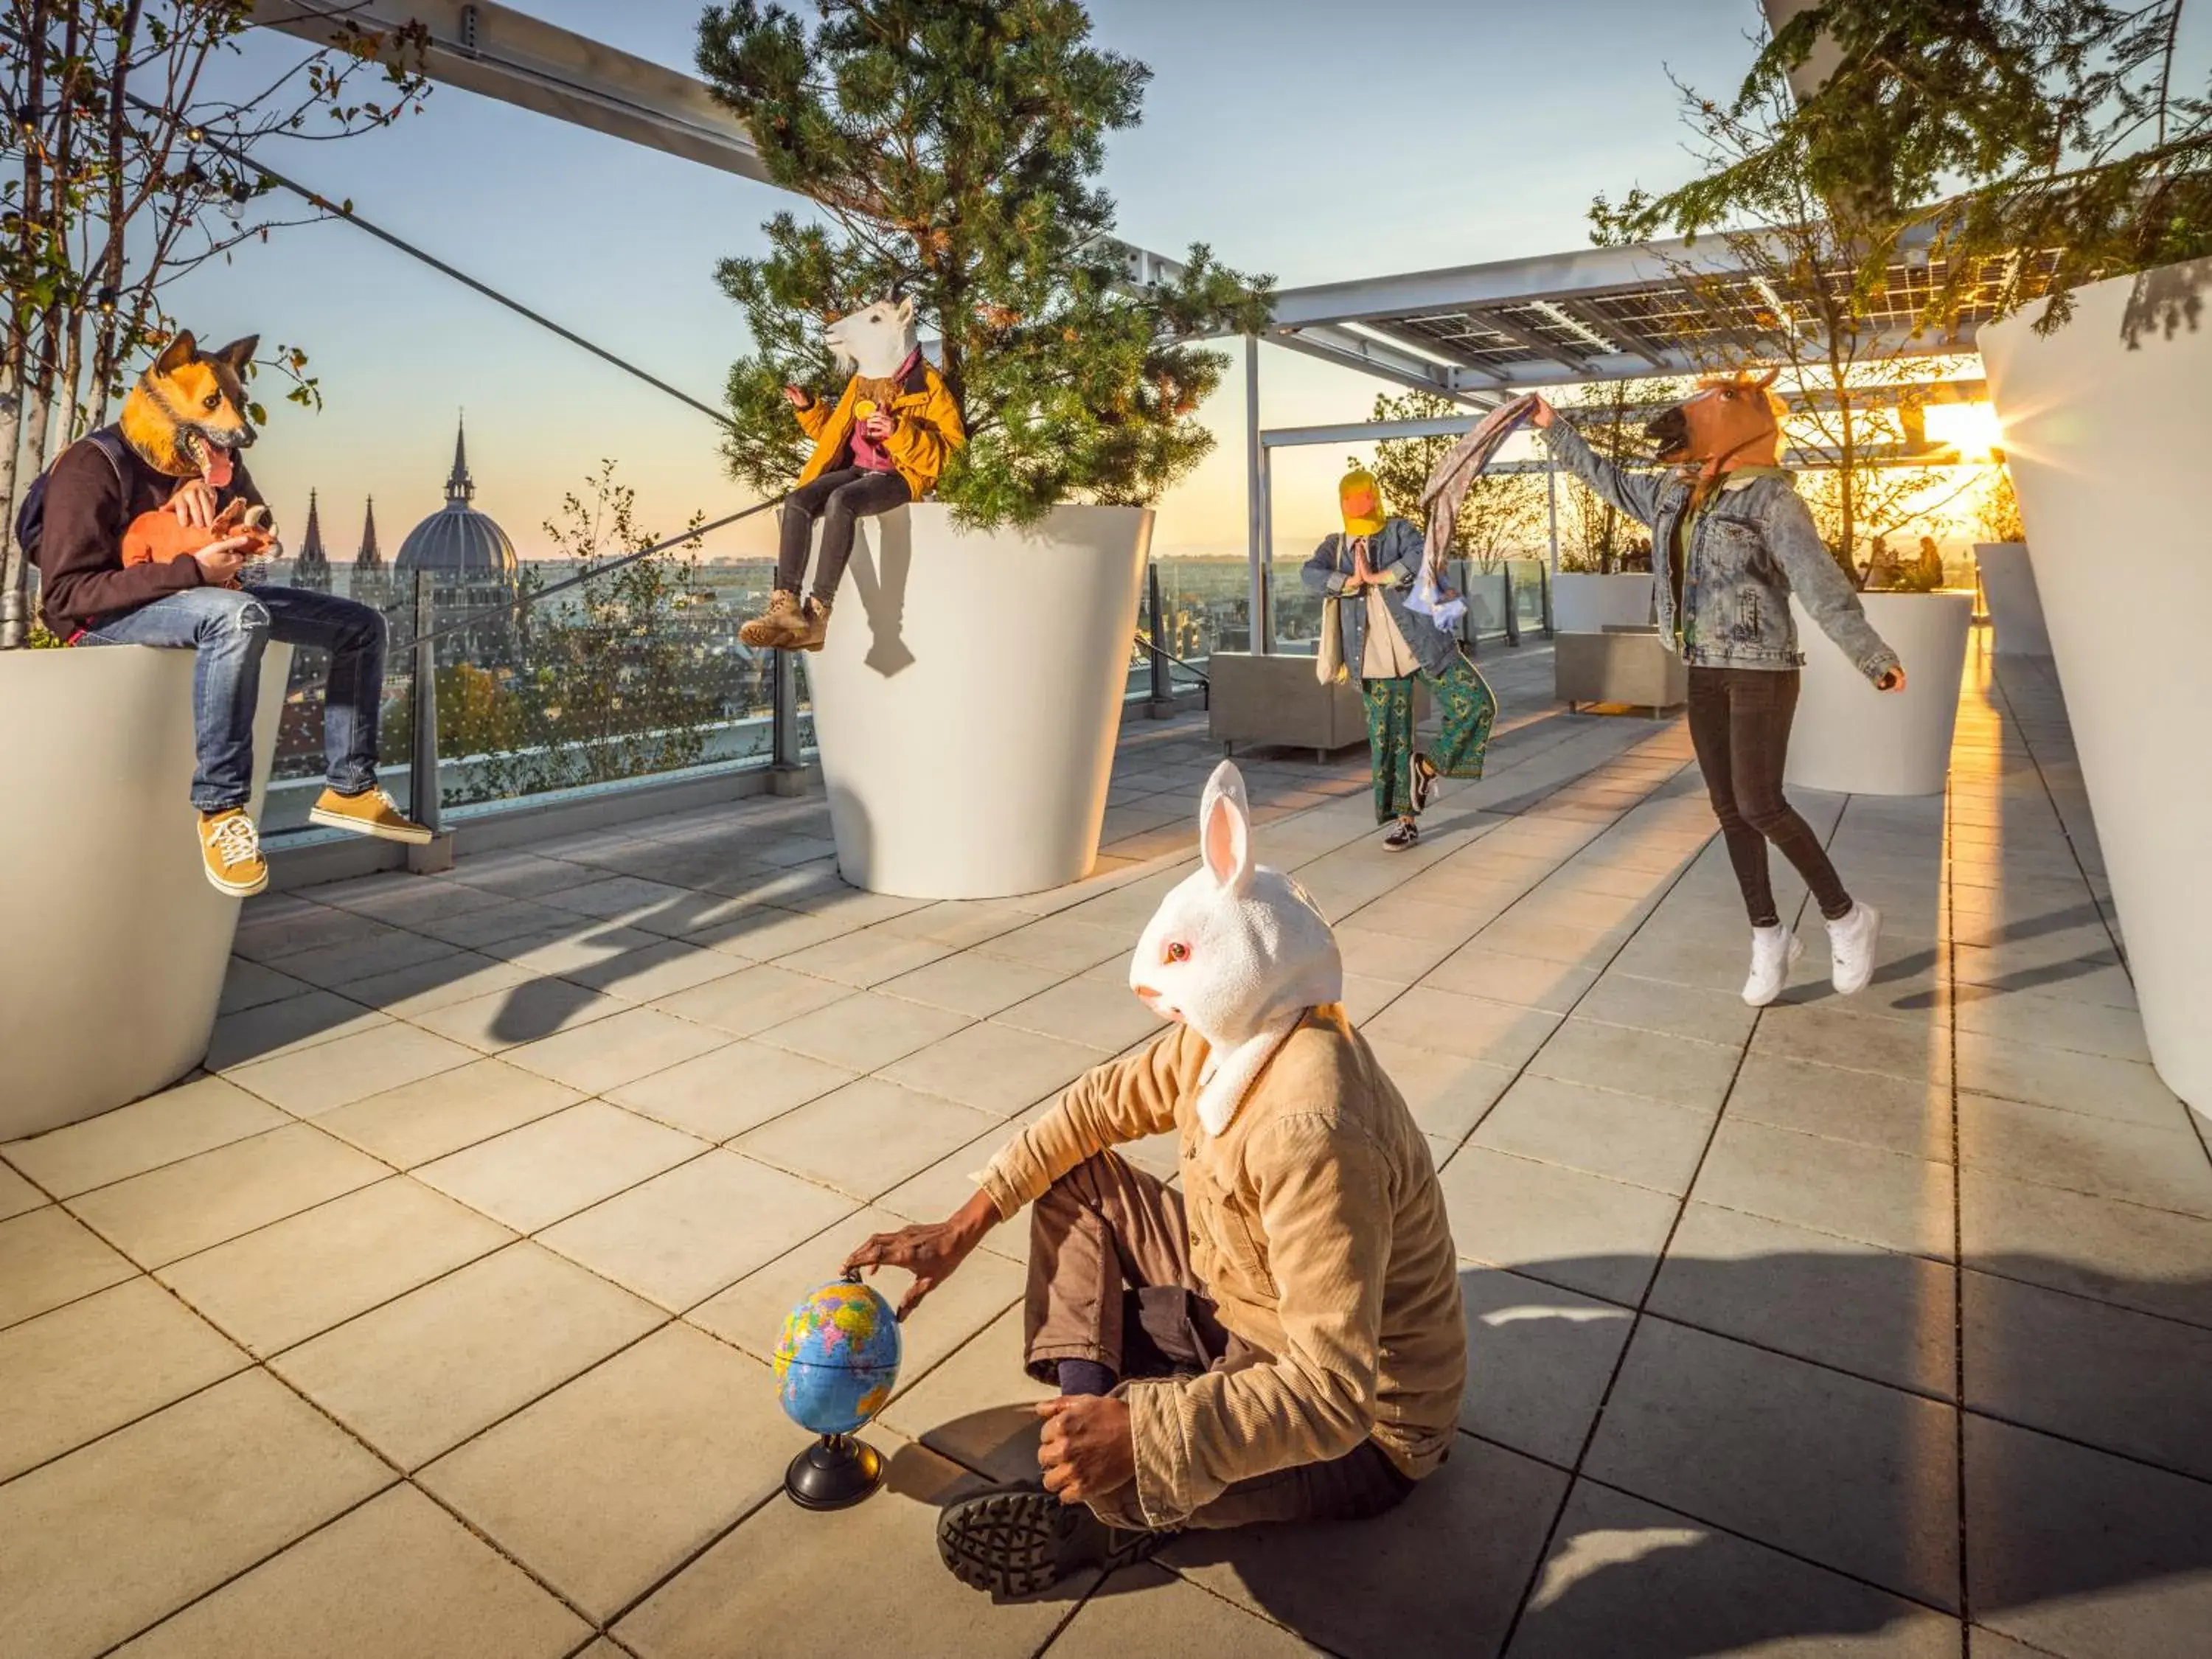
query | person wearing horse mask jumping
[1732, 540]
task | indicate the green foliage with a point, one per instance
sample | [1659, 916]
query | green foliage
[611, 688]
[1502, 512]
[1989, 125]
[951, 146]
[1997, 514]
[1594, 537]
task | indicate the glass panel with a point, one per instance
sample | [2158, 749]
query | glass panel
[1206, 605]
[297, 777]
[639, 674]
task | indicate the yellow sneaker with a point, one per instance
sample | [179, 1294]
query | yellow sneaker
[230, 851]
[371, 812]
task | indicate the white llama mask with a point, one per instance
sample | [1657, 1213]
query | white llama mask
[1237, 951]
[873, 341]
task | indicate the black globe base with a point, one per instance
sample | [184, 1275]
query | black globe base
[835, 1472]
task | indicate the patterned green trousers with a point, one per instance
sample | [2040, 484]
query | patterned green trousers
[1464, 707]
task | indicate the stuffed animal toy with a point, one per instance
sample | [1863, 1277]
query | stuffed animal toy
[1237, 951]
[159, 537]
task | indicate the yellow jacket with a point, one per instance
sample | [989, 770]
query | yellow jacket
[926, 430]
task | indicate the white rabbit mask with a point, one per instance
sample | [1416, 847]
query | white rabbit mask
[873, 341]
[1237, 952]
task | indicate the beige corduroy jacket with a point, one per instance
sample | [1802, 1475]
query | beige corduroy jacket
[1317, 1227]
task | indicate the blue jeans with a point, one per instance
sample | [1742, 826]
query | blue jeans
[229, 629]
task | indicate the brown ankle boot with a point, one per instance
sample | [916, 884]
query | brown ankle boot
[777, 627]
[815, 629]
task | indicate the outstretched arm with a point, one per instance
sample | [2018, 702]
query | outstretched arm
[1635, 493]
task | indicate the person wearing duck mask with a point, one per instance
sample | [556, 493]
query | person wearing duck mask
[1732, 540]
[1369, 632]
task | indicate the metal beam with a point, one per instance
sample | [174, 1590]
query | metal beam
[509, 55]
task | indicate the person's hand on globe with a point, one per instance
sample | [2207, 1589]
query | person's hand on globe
[932, 1253]
[1087, 1449]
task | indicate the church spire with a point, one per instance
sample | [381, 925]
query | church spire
[311, 547]
[312, 569]
[460, 489]
[369, 558]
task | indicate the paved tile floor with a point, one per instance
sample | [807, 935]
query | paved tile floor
[432, 1318]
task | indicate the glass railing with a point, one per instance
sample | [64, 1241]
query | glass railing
[635, 676]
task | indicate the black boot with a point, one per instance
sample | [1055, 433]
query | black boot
[1019, 1539]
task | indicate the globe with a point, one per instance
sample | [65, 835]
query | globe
[837, 1359]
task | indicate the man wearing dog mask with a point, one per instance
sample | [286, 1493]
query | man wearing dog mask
[1731, 541]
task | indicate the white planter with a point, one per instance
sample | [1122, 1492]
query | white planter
[1852, 739]
[969, 697]
[2015, 608]
[1589, 604]
[2108, 447]
[117, 945]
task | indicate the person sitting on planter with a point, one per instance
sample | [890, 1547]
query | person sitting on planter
[883, 444]
[1369, 631]
[1281, 1339]
[1736, 541]
[175, 450]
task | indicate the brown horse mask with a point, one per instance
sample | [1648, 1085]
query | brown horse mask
[1730, 420]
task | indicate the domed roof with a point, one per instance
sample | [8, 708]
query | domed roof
[457, 539]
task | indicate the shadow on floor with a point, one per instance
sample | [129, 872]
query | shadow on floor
[1731, 1494]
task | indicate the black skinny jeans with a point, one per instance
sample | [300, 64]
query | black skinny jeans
[837, 497]
[1740, 724]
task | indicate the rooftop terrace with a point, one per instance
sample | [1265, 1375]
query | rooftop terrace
[446, 1295]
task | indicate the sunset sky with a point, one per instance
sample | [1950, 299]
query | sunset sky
[1316, 141]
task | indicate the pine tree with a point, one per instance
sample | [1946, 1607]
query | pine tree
[2041, 143]
[951, 146]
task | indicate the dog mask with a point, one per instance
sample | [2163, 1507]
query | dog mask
[1732, 417]
[873, 341]
[187, 412]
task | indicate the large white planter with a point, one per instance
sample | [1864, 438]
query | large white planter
[969, 697]
[2107, 447]
[117, 944]
[1584, 603]
[2015, 608]
[1852, 739]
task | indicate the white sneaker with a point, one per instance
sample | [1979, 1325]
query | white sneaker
[1773, 949]
[1852, 940]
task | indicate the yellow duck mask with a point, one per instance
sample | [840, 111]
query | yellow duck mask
[1360, 499]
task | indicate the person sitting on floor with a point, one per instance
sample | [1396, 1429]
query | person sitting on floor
[175, 450]
[1282, 1340]
[883, 444]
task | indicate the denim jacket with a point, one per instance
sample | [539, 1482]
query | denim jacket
[1750, 546]
[1395, 554]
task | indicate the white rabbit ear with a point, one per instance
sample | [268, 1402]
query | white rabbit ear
[1225, 829]
[905, 312]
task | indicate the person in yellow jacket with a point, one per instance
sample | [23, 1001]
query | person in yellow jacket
[881, 445]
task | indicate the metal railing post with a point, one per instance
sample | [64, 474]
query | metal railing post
[783, 725]
[1544, 595]
[422, 789]
[1163, 687]
[1512, 604]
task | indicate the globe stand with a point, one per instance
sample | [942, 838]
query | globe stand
[835, 1472]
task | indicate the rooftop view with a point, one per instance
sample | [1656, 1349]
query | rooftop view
[1034, 828]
